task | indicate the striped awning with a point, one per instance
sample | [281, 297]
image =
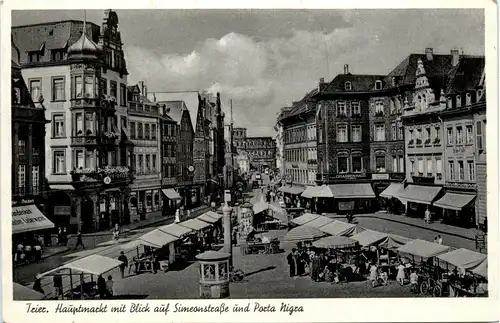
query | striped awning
[454, 201]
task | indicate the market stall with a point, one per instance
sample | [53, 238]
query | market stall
[304, 218]
[23, 293]
[303, 234]
[339, 228]
[259, 207]
[90, 266]
[319, 222]
[259, 243]
[195, 224]
[368, 238]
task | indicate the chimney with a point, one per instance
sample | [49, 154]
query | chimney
[145, 91]
[141, 86]
[321, 84]
[346, 68]
[428, 53]
[455, 57]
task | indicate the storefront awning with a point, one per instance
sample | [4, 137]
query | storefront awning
[175, 230]
[28, 218]
[171, 194]
[195, 224]
[61, 187]
[394, 241]
[463, 258]
[296, 190]
[420, 194]
[304, 218]
[319, 222]
[157, 239]
[393, 190]
[423, 249]
[454, 201]
[482, 269]
[356, 191]
[310, 191]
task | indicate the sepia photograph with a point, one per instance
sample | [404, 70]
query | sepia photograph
[187, 154]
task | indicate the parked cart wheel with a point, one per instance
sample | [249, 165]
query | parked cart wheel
[424, 288]
[437, 291]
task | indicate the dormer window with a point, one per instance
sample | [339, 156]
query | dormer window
[348, 86]
[378, 85]
[393, 81]
[449, 103]
[459, 101]
[479, 94]
[34, 56]
[57, 55]
[468, 99]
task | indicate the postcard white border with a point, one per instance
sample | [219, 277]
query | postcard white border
[316, 310]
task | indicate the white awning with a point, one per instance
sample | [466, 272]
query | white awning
[175, 230]
[93, 264]
[23, 293]
[392, 190]
[28, 218]
[61, 187]
[157, 239]
[171, 193]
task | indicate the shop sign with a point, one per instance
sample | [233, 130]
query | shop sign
[23, 201]
[295, 166]
[481, 241]
[459, 150]
[346, 206]
[62, 210]
[397, 176]
[380, 176]
[350, 176]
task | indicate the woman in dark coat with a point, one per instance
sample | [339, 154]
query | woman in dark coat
[292, 262]
[101, 287]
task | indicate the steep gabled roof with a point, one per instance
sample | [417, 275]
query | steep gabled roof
[467, 75]
[359, 83]
[190, 100]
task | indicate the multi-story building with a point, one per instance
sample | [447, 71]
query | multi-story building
[78, 72]
[242, 161]
[144, 132]
[299, 140]
[168, 128]
[462, 121]
[28, 157]
[184, 169]
[261, 151]
[344, 138]
[481, 178]
[439, 135]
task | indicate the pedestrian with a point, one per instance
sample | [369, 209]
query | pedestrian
[188, 214]
[37, 285]
[212, 205]
[58, 287]
[414, 280]
[373, 273]
[101, 287]
[116, 232]
[156, 264]
[109, 286]
[427, 216]
[27, 252]
[439, 239]
[59, 236]
[292, 262]
[37, 252]
[177, 216]
[65, 236]
[400, 277]
[79, 241]
[435, 239]
[124, 263]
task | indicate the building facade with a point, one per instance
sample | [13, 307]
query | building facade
[261, 151]
[144, 133]
[77, 71]
[28, 152]
[168, 161]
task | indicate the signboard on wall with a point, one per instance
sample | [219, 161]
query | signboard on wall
[62, 210]
[380, 176]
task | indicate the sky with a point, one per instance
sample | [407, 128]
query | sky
[265, 59]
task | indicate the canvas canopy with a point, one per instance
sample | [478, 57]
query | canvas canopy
[463, 258]
[195, 224]
[310, 191]
[260, 207]
[23, 293]
[423, 249]
[335, 242]
[482, 269]
[93, 264]
[319, 222]
[394, 241]
[369, 237]
[360, 190]
[28, 218]
[393, 190]
[339, 228]
[420, 194]
[175, 230]
[157, 239]
[209, 217]
[305, 218]
[303, 233]
[171, 194]
[454, 201]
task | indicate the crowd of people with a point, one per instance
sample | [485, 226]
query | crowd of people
[27, 250]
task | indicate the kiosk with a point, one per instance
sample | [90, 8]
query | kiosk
[214, 274]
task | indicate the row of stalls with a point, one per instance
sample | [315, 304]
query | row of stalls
[350, 250]
[337, 198]
[157, 250]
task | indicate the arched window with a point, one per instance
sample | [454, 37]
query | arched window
[468, 99]
[459, 101]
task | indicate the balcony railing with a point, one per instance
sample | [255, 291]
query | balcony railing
[84, 140]
[115, 173]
